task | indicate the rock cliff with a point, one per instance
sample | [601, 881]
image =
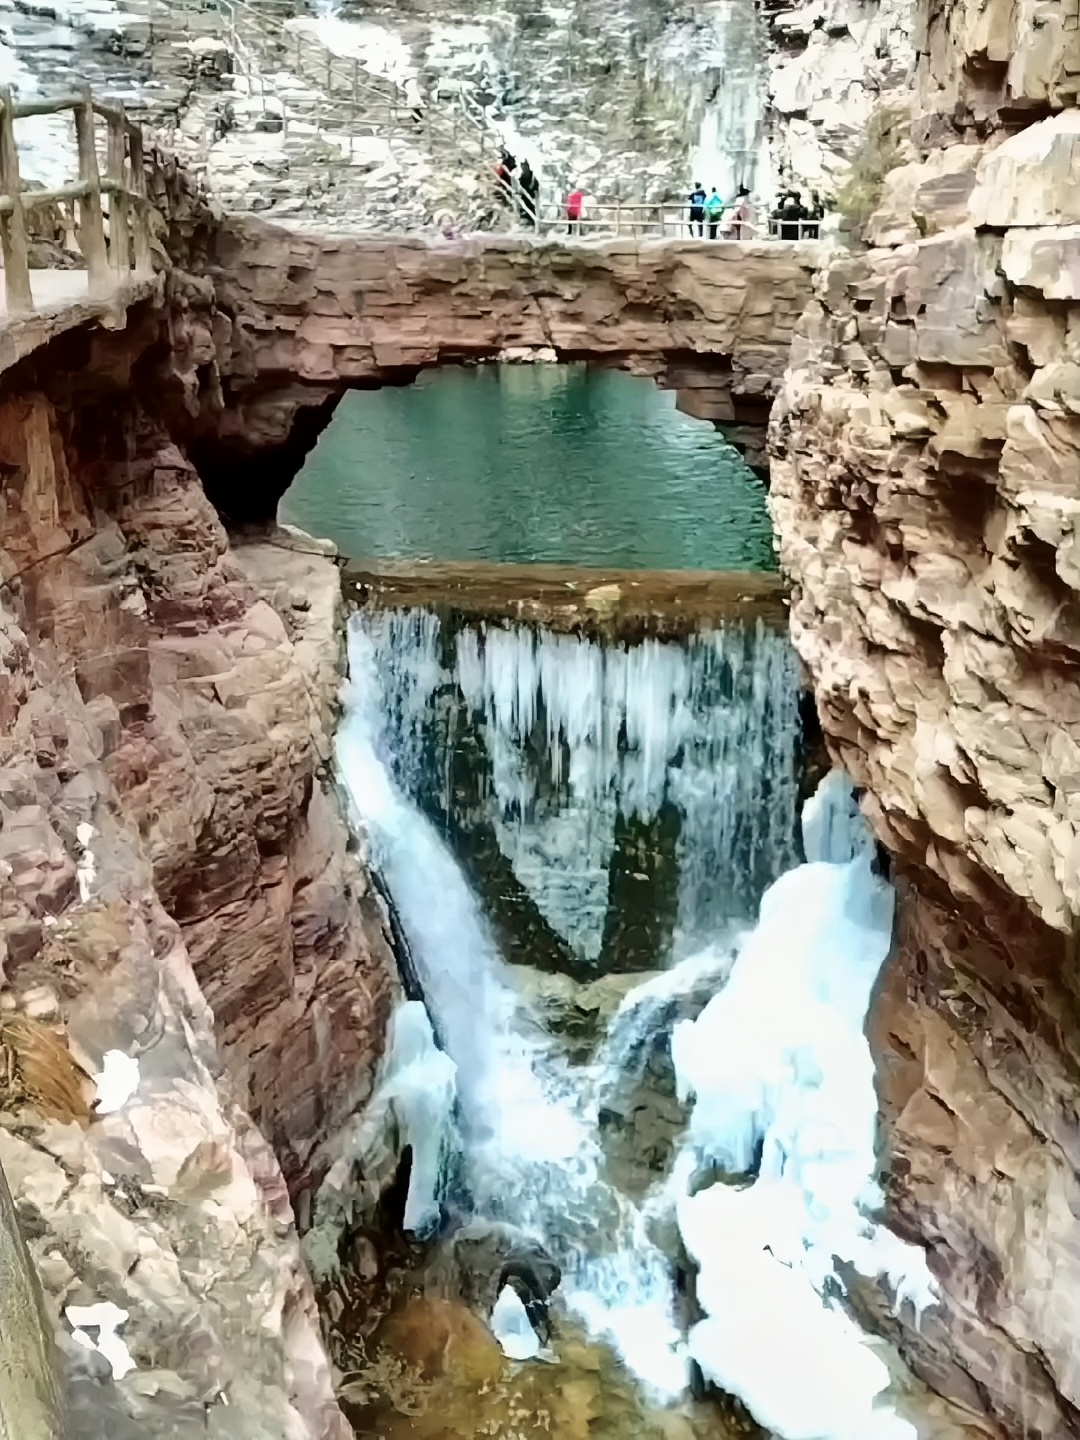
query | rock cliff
[925, 461]
[832, 66]
[175, 888]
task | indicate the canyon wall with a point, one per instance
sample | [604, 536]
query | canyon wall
[833, 66]
[926, 490]
[176, 887]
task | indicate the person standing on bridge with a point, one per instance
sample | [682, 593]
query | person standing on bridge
[742, 220]
[714, 210]
[792, 215]
[504, 179]
[697, 208]
[815, 215]
[575, 208]
[530, 194]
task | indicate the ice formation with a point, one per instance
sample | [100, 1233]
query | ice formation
[512, 1327]
[106, 1318]
[782, 1083]
[117, 1082]
[420, 1087]
[576, 732]
[776, 1065]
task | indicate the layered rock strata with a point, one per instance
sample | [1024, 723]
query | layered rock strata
[176, 890]
[926, 489]
[302, 318]
[833, 65]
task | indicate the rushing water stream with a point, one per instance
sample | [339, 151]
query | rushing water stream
[615, 733]
[644, 976]
[776, 1064]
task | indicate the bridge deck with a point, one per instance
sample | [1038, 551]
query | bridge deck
[62, 301]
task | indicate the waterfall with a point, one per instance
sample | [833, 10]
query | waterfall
[732, 146]
[775, 1068]
[582, 737]
[532, 1153]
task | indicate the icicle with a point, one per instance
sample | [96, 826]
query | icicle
[530, 1136]
[709, 725]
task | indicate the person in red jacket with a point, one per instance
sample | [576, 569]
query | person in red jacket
[575, 205]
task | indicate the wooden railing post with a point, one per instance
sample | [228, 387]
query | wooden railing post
[91, 224]
[20, 297]
[144, 254]
[119, 205]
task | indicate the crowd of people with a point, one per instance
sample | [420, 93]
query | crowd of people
[708, 211]
[517, 189]
[795, 221]
[736, 220]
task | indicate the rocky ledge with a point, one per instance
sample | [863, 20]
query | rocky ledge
[180, 913]
[302, 318]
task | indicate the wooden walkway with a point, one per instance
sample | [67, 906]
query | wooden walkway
[106, 213]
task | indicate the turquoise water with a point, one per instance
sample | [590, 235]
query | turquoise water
[524, 464]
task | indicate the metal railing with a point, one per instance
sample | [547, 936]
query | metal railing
[110, 264]
[345, 93]
[637, 220]
[797, 229]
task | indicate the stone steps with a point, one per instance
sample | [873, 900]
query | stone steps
[313, 133]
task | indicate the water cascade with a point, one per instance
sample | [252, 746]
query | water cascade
[576, 733]
[732, 146]
[584, 741]
[531, 1147]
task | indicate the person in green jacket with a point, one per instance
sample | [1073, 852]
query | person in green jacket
[714, 210]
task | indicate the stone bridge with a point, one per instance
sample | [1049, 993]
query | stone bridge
[301, 318]
[272, 325]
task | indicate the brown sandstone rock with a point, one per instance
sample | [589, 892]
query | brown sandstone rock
[926, 490]
[309, 316]
[149, 691]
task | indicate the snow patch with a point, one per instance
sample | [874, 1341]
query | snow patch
[512, 1327]
[85, 866]
[117, 1082]
[783, 1085]
[106, 1318]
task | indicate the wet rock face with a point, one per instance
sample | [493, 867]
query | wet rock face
[168, 838]
[302, 318]
[925, 454]
[977, 1034]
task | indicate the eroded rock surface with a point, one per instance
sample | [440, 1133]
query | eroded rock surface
[301, 318]
[925, 463]
[832, 64]
[170, 843]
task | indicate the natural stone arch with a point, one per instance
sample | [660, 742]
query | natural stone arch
[301, 319]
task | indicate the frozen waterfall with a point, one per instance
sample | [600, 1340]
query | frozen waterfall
[579, 737]
[775, 1070]
[532, 1153]
[732, 146]
[782, 1083]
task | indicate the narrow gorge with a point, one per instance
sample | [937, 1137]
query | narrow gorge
[538, 771]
